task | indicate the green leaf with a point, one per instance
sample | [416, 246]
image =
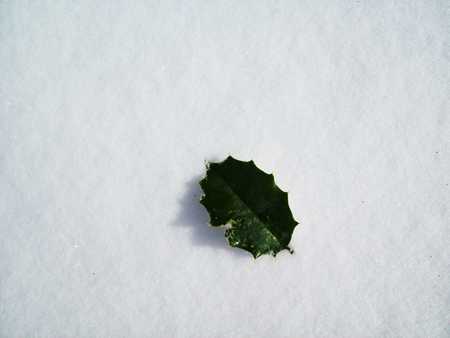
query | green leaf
[246, 199]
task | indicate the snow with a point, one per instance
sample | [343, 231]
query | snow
[109, 110]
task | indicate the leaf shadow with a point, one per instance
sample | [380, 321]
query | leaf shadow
[193, 215]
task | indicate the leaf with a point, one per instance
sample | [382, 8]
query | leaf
[246, 199]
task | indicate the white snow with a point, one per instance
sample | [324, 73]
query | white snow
[108, 111]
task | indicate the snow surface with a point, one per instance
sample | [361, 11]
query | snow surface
[109, 110]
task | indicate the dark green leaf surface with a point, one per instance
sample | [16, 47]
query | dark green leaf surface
[245, 198]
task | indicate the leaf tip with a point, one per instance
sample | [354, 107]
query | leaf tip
[230, 158]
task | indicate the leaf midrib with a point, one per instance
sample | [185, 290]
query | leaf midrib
[246, 205]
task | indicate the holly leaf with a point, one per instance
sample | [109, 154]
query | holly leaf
[239, 195]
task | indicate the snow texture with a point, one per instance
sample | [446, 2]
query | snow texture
[109, 110]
